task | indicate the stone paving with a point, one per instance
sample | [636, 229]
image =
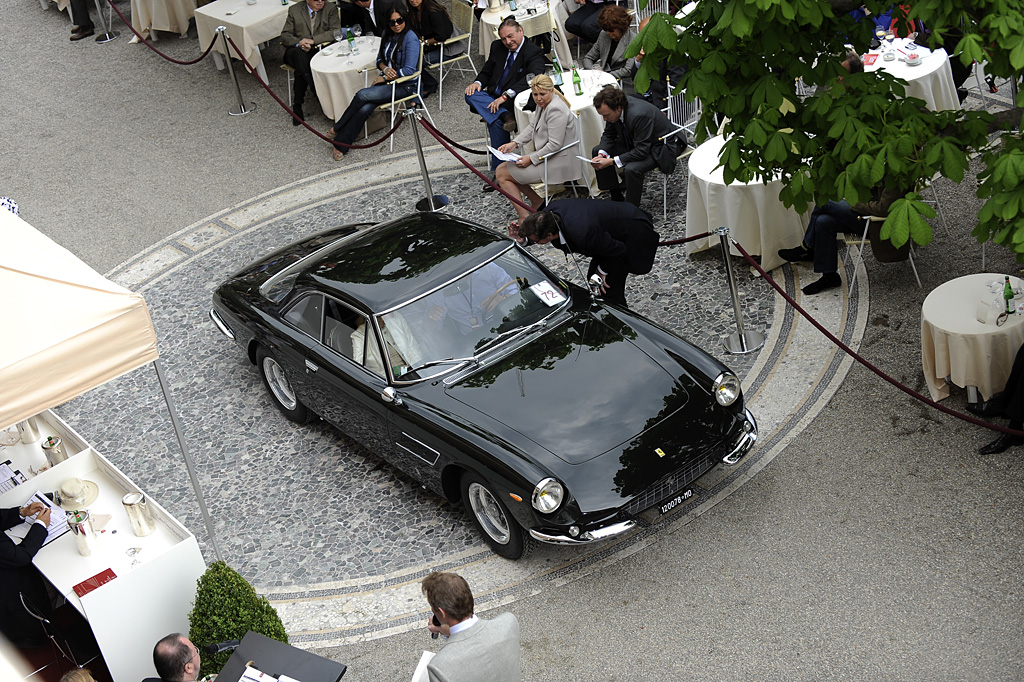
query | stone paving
[335, 536]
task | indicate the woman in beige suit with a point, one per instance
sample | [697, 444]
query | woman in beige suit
[553, 127]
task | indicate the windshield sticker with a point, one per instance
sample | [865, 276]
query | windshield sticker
[547, 292]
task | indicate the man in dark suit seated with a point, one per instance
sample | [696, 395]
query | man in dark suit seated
[19, 576]
[308, 24]
[638, 137]
[362, 13]
[619, 238]
[492, 95]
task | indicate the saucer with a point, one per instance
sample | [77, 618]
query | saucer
[328, 51]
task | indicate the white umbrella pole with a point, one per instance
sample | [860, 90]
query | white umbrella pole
[188, 459]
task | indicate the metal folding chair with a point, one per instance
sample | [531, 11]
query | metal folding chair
[392, 106]
[462, 16]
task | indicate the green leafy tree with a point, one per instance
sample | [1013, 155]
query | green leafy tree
[745, 58]
[227, 607]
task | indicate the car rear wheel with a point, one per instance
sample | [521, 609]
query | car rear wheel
[492, 518]
[279, 388]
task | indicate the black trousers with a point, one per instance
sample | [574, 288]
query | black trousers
[299, 60]
[80, 14]
[633, 174]
[615, 281]
[1011, 398]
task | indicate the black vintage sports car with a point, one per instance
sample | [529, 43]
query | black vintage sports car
[452, 353]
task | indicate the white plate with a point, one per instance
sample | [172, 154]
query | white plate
[328, 51]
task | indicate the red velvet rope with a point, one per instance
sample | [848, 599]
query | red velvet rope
[849, 351]
[150, 45]
[308, 127]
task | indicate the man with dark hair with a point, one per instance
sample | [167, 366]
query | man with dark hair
[477, 650]
[308, 24]
[19, 576]
[492, 95]
[363, 14]
[619, 238]
[176, 659]
[637, 138]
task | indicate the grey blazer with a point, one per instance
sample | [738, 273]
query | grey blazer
[636, 136]
[598, 55]
[553, 127]
[486, 652]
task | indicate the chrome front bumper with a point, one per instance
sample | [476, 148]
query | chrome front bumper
[587, 537]
[221, 325]
[746, 440]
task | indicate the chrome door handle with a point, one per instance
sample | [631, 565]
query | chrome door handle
[310, 366]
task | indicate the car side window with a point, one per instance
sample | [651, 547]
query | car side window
[340, 322]
[306, 314]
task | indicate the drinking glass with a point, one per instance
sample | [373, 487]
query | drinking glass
[337, 35]
[357, 31]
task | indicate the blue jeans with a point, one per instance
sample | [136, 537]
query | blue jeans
[826, 222]
[478, 101]
[364, 103]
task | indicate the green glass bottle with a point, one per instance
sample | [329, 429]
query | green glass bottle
[557, 77]
[351, 38]
[1008, 295]
[577, 83]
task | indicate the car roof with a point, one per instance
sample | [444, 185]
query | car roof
[388, 264]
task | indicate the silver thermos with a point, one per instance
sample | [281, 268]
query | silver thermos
[81, 527]
[139, 514]
[28, 430]
[54, 449]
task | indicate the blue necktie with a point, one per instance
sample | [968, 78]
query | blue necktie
[504, 74]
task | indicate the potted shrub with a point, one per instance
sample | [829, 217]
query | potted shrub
[227, 607]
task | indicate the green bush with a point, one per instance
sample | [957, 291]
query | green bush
[227, 607]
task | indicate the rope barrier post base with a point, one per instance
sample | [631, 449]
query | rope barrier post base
[740, 341]
[431, 202]
[107, 35]
[239, 109]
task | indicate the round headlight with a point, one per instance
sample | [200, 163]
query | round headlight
[726, 388]
[548, 496]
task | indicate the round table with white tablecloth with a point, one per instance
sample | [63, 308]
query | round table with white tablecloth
[247, 25]
[337, 75]
[535, 24]
[752, 211]
[162, 15]
[591, 123]
[956, 345]
[931, 80]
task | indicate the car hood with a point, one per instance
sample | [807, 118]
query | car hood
[579, 390]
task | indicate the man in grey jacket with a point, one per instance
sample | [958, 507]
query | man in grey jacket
[477, 650]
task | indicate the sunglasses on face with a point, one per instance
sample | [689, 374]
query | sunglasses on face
[396, 22]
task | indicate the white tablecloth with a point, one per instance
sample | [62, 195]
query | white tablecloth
[955, 345]
[753, 212]
[591, 123]
[931, 80]
[533, 24]
[249, 26]
[337, 77]
[162, 15]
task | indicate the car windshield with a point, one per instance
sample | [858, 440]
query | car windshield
[438, 331]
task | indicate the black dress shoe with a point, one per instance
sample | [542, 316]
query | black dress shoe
[993, 407]
[797, 254]
[299, 115]
[488, 187]
[830, 280]
[1000, 444]
[82, 33]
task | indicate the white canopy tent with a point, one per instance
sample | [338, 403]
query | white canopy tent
[65, 329]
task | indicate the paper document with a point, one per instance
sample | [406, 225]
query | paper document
[502, 155]
[9, 478]
[584, 158]
[421, 668]
[58, 521]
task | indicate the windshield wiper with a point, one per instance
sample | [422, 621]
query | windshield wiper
[443, 361]
[509, 332]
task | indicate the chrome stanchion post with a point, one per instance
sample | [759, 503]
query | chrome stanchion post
[239, 109]
[107, 35]
[431, 202]
[740, 341]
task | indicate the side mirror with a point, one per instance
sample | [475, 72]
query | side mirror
[390, 395]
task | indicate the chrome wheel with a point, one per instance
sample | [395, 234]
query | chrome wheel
[488, 513]
[278, 384]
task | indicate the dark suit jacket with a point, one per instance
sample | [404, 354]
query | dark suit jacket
[616, 234]
[529, 60]
[18, 575]
[18, 555]
[297, 26]
[352, 15]
[635, 135]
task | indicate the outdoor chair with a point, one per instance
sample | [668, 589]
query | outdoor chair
[684, 116]
[79, 646]
[392, 106]
[462, 16]
[864, 240]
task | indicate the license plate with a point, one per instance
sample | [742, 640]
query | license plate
[676, 501]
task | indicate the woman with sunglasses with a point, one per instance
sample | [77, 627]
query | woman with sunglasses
[399, 56]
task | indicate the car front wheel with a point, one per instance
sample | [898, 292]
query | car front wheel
[493, 519]
[279, 387]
